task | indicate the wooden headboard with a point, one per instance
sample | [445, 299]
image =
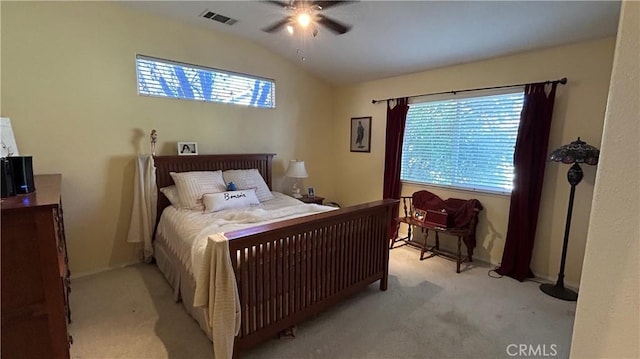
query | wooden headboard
[165, 164]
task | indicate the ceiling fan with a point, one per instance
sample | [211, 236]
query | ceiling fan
[307, 13]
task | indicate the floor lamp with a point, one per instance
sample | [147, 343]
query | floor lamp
[574, 153]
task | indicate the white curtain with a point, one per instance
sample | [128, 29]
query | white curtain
[143, 213]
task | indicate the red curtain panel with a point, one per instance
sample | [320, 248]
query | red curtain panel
[529, 160]
[396, 120]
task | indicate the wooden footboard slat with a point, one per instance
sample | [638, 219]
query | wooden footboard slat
[252, 290]
[246, 289]
[328, 263]
[312, 285]
[289, 279]
[360, 246]
[279, 303]
[348, 264]
[263, 284]
[273, 295]
[298, 270]
[364, 268]
[326, 271]
[316, 268]
[266, 279]
[342, 272]
[351, 254]
[293, 256]
[305, 271]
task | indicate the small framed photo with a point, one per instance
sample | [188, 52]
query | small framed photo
[311, 192]
[361, 134]
[419, 214]
[187, 148]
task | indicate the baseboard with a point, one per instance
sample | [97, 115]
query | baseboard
[571, 285]
[105, 269]
[538, 277]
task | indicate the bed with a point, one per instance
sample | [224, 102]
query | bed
[285, 271]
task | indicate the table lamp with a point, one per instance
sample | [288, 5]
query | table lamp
[574, 153]
[296, 170]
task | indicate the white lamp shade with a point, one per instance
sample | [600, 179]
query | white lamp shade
[296, 169]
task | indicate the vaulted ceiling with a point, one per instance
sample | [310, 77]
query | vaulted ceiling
[390, 38]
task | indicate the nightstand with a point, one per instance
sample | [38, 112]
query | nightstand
[307, 199]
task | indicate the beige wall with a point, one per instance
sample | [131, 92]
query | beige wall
[69, 87]
[579, 111]
[607, 323]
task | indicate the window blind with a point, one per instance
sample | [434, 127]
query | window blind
[463, 142]
[166, 78]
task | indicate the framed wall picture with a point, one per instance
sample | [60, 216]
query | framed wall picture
[361, 134]
[187, 148]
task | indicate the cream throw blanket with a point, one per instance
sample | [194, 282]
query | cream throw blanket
[143, 211]
[216, 289]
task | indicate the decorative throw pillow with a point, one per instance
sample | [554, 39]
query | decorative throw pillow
[171, 192]
[248, 179]
[193, 185]
[214, 202]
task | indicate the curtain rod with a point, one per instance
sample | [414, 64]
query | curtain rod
[561, 81]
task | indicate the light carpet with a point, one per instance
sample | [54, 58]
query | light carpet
[428, 311]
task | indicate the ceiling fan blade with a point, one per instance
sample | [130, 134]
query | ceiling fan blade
[333, 25]
[284, 4]
[278, 25]
[327, 4]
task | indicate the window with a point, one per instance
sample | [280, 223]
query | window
[165, 78]
[463, 142]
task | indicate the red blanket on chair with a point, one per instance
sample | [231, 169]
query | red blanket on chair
[461, 211]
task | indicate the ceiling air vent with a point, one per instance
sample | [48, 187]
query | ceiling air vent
[218, 17]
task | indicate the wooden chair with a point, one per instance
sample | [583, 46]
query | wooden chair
[425, 210]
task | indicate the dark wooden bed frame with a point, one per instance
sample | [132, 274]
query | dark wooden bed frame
[291, 270]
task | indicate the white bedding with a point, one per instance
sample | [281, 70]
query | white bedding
[185, 231]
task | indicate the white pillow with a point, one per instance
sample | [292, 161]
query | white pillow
[214, 202]
[171, 192]
[249, 179]
[193, 185]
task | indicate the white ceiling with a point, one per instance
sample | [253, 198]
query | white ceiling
[390, 38]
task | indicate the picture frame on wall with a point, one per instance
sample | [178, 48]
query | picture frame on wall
[187, 148]
[360, 134]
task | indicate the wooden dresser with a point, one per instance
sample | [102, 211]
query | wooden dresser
[35, 275]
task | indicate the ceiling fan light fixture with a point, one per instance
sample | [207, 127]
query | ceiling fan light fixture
[304, 19]
[305, 13]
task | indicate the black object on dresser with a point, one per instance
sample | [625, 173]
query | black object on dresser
[315, 199]
[6, 178]
[22, 168]
[35, 275]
